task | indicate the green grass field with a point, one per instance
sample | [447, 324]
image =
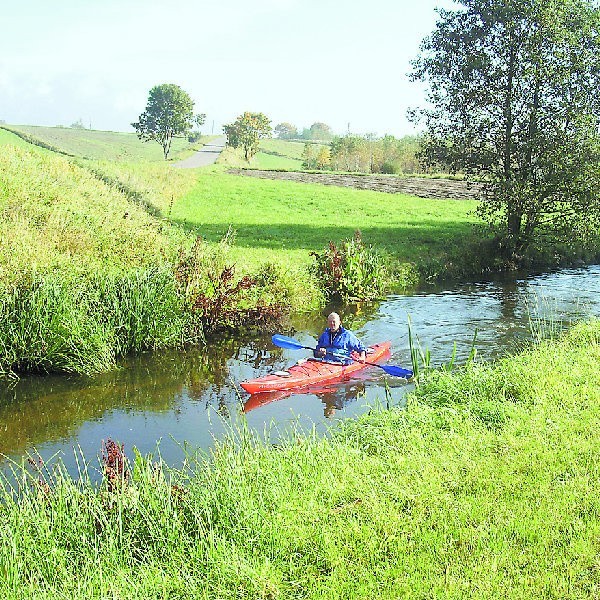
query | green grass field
[285, 221]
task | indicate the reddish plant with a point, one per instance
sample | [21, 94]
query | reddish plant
[114, 464]
[330, 267]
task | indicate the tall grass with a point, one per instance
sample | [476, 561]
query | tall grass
[420, 357]
[485, 486]
[56, 215]
[56, 324]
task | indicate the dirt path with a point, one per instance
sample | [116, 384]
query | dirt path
[205, 156]
[391, 184]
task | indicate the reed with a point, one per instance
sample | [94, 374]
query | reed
[57, 324]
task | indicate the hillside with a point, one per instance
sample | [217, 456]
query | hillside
[101, 145]
[57, 215]
[272, 154]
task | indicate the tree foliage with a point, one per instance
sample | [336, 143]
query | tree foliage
[247, 131]
[169, 113]
[513, 98]
[286, 131]
[367, 154]
[318, 131]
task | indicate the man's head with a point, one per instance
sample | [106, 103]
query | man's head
[334, 321]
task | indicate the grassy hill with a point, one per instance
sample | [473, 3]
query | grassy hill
[101, 145]
[56, 214]
[86, 264]
[272, 154]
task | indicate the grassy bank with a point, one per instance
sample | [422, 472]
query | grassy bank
[86, 272]
[485, 486]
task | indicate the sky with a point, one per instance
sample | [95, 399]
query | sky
[341, 62]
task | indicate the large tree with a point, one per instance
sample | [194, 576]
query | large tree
[513, 98]
[169, 113]
[246, 132]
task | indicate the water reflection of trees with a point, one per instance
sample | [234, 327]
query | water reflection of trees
[36, 410]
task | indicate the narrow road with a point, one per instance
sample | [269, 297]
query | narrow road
[207, 155]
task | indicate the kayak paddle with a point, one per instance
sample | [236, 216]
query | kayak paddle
[291, 344]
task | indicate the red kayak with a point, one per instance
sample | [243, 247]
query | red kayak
[310, 371]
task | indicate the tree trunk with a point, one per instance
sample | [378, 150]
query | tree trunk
[517, 240]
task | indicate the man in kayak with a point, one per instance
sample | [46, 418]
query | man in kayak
[339, 340]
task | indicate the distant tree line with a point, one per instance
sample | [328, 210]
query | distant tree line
[365, 154]
[352, 152]
[317, 131]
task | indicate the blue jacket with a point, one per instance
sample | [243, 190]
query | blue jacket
[343, 342]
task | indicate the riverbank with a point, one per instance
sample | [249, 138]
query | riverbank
[485, 486]
[110, 231]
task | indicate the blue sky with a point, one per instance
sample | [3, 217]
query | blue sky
[342, 62]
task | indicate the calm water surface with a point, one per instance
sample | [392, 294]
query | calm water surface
[159, 402]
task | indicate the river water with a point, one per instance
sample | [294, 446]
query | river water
[165, 402]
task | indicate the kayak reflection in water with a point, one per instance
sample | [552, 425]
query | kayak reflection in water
[336, 339]
[334, 399]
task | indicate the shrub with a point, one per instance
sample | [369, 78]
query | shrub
[390, 168]
[352, 270]
[216, 298]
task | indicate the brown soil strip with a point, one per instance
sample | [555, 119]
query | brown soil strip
[391, 184]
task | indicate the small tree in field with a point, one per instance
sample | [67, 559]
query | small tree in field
[169, 113]
[309, 156]
[323, 158]
[247, 131]
[513, 94]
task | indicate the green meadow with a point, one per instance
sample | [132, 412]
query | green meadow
[285, 221]
[486, 485]
[102, 145]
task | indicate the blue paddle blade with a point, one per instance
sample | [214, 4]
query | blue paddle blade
[396, 371]
[282, 341]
